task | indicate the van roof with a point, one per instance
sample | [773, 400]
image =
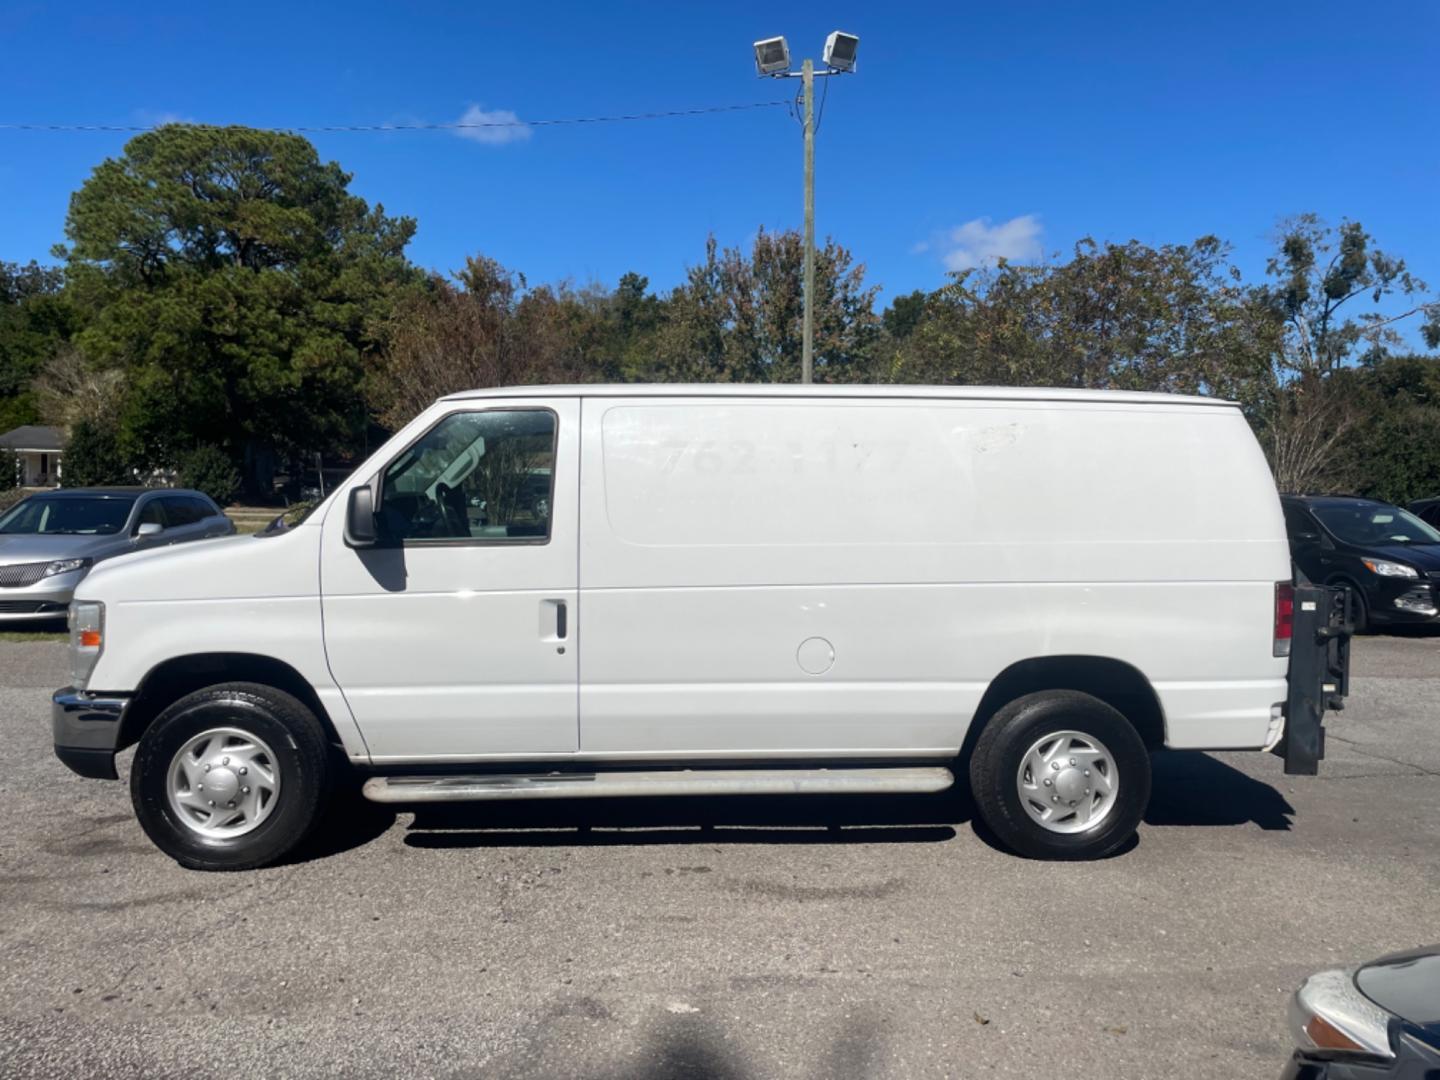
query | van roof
[849, 390]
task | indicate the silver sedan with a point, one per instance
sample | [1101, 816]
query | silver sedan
[49, 541]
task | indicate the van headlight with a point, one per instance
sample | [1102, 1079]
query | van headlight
[66, 566]
[1385, 568]
[87, 639]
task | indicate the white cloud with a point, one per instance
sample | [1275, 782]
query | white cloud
[980, 243]
[160, 119]
[505, 127]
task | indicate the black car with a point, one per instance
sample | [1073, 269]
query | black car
[1388, 556]
[1377, 1022]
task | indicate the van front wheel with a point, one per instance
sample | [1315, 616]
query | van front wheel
[1060, 775]
[231, 777]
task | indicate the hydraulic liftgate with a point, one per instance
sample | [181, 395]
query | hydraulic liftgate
[1319, 673]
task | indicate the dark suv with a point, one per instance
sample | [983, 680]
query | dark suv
[1387, 555]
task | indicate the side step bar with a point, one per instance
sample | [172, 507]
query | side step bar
[432, 789]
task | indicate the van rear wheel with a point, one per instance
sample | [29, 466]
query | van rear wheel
[231, 777]
[1060, 775]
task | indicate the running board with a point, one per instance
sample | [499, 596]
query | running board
[431, 789]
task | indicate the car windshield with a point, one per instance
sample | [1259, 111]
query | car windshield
[71, 516]
[1372, 525]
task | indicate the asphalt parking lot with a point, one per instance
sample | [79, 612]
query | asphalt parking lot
[724, 939]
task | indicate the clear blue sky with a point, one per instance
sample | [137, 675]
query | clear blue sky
[1154, 121]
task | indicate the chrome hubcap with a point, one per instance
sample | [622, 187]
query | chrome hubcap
[223, 783]
[1067, 782]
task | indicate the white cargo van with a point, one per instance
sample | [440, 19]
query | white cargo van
[624, 590]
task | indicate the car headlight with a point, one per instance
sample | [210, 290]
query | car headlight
[87, 639]
[1390, 569]
[65, 566]
[1330, 1017]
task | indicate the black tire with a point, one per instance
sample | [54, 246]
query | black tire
[1008, 737]
[1360, 610]
[278, 719]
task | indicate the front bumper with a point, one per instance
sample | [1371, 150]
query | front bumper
[48, 598]
[86, 728]
[1404, 601]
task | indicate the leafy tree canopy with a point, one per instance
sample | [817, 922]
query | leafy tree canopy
[237, 282]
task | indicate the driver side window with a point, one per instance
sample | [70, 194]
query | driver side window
[482, 476]
[152, 513]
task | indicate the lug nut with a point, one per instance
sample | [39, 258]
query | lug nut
[245, 791]
[1048, 781]
[244, 770]
[1055, 765]
[207, 768]
[227, 761]
[1087, 771]
[212, 802]
[1053, 798]
[231, 805]
[1072, 802]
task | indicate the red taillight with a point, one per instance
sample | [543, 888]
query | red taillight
[1284, 617]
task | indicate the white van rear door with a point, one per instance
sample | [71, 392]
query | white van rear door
[452, 638]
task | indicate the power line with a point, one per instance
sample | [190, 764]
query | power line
[455, 126]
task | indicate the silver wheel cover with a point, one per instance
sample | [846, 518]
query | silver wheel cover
[223, 783]
[1068, 782]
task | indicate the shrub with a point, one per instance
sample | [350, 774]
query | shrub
[9, 470]
[209, 469]
[92, 457]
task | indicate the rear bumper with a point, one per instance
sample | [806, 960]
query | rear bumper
[86, 729]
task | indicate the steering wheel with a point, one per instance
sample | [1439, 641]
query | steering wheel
[456, 523]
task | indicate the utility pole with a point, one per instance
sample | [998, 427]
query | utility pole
[772, 60]
[807, 359]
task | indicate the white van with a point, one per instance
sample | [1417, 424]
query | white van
[620, 590]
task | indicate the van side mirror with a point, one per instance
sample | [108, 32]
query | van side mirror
[149, 528]
[360, 528]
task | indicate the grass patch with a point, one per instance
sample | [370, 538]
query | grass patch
[34, 635]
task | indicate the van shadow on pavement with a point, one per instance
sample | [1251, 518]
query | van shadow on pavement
[1190, 789]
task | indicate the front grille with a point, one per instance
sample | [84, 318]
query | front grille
[31, 607]
[18, 575]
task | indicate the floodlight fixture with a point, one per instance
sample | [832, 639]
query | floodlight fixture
[772, 56]
[840, 50]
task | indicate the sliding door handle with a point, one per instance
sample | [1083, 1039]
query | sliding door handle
[562, 620]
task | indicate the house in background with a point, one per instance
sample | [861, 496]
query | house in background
[37, 451]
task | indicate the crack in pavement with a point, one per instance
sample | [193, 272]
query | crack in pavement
[1359, 749]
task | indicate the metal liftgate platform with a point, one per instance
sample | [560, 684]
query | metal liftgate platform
[1319, 673]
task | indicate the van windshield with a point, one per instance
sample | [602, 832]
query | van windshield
[1371, 525]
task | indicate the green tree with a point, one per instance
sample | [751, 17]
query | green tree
[237, 283]
[1114, 316]
[1338, 299]
[738, 316]
[209, 469]
[9, 470]
[1393, 450]
[93, 457]
[483, 328]
[35, 320]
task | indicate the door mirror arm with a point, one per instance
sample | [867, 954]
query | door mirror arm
[360, 523]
